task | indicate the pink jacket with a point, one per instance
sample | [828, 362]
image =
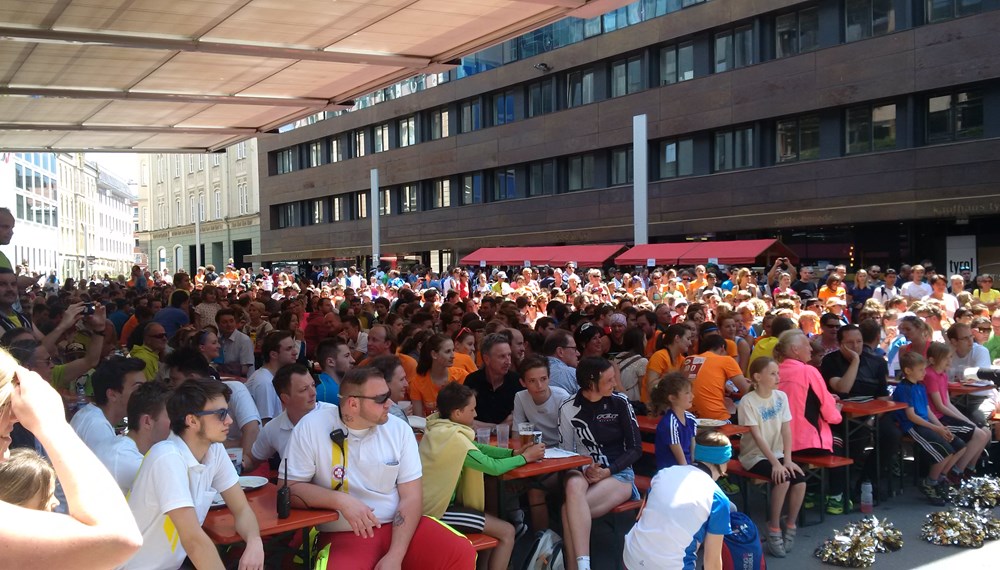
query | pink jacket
[813, 407]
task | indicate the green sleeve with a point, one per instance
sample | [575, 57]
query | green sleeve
[479, 461]
[494, 451]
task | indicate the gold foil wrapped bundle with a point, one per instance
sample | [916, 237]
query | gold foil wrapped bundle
[856, 545]
[958, 527]
[978, 493]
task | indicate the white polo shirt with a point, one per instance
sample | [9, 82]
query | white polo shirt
[171, 478]
[274, 436]
[93, 428]
[264, 395]
[122, 458]
[241, 408]
[378, 459]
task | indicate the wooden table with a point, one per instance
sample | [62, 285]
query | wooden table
[546, 466]
[648, 424]
[220, 525]
[854, 414]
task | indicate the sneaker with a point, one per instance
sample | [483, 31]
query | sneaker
[933, 494]
[835, 505]
[954, 479]
[790, 539]
[728, 486]
[775, 544]
[520, 529]
[810, 501]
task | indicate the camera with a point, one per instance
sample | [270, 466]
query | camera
[88, 309]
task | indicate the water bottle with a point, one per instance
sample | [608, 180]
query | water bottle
[866, 497]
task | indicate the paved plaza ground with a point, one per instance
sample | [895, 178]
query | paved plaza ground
[907, 512]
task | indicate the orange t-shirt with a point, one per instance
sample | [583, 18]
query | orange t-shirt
[423, 389]
[825, 293]
[660, 363]
[465, 362]
[709, 373]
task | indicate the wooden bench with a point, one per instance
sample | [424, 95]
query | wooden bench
[816, 466]
[734, 467]
[482, 541]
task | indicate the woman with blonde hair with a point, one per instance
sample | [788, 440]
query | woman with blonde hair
[100, 531]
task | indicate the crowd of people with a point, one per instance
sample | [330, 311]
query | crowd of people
[327, 372]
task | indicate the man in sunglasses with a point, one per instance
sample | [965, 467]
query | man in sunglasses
[178, 480]
[357, 460]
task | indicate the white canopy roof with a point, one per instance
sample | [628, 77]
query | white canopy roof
[199, 75]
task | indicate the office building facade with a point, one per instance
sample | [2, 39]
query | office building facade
[828, 124]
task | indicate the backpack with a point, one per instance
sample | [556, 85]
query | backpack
[546, 552]
[742, 550]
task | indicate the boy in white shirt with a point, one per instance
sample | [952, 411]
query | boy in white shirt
[178, 479]
[149, 425]
[113, 380]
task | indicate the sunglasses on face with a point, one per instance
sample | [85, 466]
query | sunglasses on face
[380, 399]
[221, 413]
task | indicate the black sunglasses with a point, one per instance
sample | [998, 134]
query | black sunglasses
[221, 413]
[380, 399]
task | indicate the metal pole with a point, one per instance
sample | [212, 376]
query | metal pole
[640, 184]
[376, 210]
[197, 221]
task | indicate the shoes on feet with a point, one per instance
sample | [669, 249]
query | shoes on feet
[835, 505]
[775, 544]
[933, 493]
[810, 501]
[728, 486]
[790, 539]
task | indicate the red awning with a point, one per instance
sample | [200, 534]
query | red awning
[660, 253]
[581, 255]
[763, 251]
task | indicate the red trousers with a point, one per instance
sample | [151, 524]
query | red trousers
[433, 547]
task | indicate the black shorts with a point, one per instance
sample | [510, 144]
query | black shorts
[962, 430]
[934, 444]
[464, 519]
[763, 467]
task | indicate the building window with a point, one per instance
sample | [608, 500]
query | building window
[541, 97]
[472, 188]
[579, 88]
[408, 198]
[439, 123]
[940, 10]
[503, 107]
[385, 202]
[218, 205]
[580, 172]
[338, 208]
[317, 211]
[178, 212]
[243, 196]
[796, 33]
[190, 164]
[542, 178]
[177, 165]
[241, 150]
[621, 166]
[215, 159]
[797, 138]
[360, 148]
[201, 163]
[870, 128]
[380, 142]
[201, 207]
[441, 197]
[676, 63]
[287, 160]
[626, 76]
[676, 158]
[472, 116]
[867, 18]
[407, 131]
[290, 215]
[504, 184]
[955, 116]
[315, 153]
[361, 205]
[336, 150]
[733, 149]
[733, 49]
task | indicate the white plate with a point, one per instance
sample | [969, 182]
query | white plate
[250, 483]
[711, 423]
